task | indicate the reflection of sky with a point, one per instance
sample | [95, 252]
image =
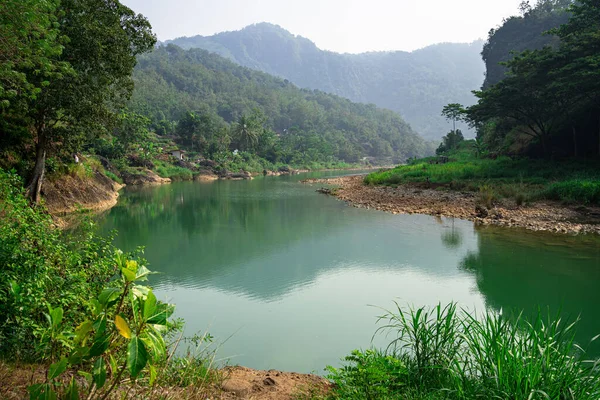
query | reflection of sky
[314, 325]
[291, 273]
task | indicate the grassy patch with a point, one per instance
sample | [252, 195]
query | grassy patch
[446, 353]
[574, 181]
[175, 173]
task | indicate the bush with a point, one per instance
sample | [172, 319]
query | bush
[451, 354]
[39, 267]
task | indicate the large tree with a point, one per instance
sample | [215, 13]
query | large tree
[104, 38]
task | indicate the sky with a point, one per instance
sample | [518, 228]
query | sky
[343, 26]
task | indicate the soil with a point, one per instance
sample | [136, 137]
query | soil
[238, 383]
[412, 199]
[69, 194]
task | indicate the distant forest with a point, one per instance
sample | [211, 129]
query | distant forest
[305, 124]
[416, 84]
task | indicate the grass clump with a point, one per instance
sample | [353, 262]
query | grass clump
[573, 181]
[446, 353]
[175, 173]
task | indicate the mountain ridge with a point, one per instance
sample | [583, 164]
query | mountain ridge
[416, 84]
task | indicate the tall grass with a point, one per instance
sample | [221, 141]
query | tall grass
[576, 181]
[449, 353]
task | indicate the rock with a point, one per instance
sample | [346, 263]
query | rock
[269, 382]
[239, 387]
[143, 177]
[207, 163]
[481, 212]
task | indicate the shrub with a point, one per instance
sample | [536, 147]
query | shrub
[486, 197]
[451, 354]
[39, 267]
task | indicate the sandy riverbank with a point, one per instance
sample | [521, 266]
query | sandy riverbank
[404, 199]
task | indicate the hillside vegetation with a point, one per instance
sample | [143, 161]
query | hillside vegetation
[292, 125]
[415, 84]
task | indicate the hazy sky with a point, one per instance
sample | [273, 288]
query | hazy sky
[351, 26]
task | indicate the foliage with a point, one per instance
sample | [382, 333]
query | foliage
[122, 336]
[520, 33]
[211, 99]
[549, 98]
[415, 84]
[456, 354]
[40, 267]
[450, 142]
[369, 374]
[528, 179]
[91, 77]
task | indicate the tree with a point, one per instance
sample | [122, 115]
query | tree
[450, 142]
[453, 112]
[104, 38]
[29, 40]
[248, 129]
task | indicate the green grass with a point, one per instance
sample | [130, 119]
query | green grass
[113, 177]
[573, 181]
[446, 353]
[175, 173]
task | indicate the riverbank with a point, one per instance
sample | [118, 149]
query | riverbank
[421, 199]
[233, 383]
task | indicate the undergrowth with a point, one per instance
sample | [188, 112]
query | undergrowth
[447, 353]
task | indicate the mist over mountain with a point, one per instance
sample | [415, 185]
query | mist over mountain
[416, 84]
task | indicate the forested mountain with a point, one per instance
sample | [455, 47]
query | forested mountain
[416, 84]
[520, 33]
[549, 101]
[179, 88]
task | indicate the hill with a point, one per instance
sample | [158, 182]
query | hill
[307, 125]
[416, 84]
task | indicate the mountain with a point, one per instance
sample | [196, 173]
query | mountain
[520, 33]
[309, 125]
[416, 84]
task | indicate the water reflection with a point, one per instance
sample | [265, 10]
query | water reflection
[518, 270]
[292, 273]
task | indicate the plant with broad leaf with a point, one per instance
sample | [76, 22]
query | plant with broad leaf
[123, 338]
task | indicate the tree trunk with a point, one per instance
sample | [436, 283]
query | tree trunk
[599, 136]
[575, 152]
[34, 188]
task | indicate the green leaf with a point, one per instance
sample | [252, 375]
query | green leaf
[56, 315]
[137, 356]
[153, 375]
[109, 295]
[149, 305]
[142, 273]
[99, 346]
[155, 343]
[87, 376]
[162, 312]
[82, 330]
[41, 392]
[72, 392]
[128, 274]
[99, 373]
[57, 368]
[100, 327]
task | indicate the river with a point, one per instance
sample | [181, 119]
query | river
[286, 278]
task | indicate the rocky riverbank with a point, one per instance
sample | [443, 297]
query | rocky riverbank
[406, 199]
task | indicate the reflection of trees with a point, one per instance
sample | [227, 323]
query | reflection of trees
[204, 229]
[516, 271]
[452, 239]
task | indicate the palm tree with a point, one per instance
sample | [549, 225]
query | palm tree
[246, 133]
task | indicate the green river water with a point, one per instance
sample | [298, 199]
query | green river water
[290, 279]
